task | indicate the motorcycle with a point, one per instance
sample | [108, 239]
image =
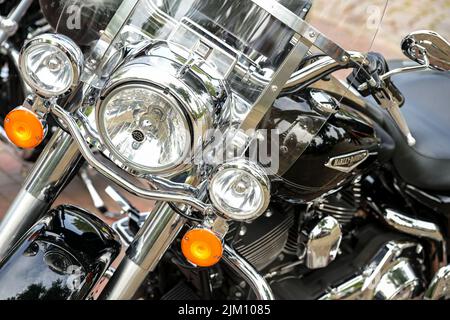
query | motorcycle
[272, 179]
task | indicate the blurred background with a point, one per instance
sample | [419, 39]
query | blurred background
[352, 23]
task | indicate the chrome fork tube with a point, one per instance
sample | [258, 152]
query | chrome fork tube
[50, 174]
[15, 16]
[144, 253]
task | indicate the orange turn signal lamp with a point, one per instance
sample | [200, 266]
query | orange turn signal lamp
[202, 247]
[24, 128]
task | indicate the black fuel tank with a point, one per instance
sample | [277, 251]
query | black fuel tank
[61, 257]
[337, 143]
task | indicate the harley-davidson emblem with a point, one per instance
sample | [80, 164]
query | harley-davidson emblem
[347, 162]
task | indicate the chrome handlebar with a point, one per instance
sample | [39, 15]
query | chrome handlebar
[188, 195]
[316, 70]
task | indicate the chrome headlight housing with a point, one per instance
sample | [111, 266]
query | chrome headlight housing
[51, 64]
[145, 128]
[239, 190]
[154, 114]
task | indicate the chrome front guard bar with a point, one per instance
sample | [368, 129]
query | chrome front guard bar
[71, 126]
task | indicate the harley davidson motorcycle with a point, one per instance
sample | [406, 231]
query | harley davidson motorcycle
[272, 179]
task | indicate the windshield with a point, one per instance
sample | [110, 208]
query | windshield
[248, 47]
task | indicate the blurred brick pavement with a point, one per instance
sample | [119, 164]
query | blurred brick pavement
[352, 22]
[13, 171]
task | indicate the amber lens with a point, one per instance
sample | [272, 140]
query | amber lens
[24, 128]
[201, 247]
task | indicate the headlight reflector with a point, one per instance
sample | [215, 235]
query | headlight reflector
[51, 64]
[144, 128]
[240, 190]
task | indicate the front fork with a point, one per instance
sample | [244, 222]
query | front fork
[151, 242]
[51, 173]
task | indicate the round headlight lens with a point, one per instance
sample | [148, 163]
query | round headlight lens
[144, 128]
[51, 64]
[240, 191]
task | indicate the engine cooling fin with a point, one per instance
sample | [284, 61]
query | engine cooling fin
[342, 205]
[180, 292]
[263, 240]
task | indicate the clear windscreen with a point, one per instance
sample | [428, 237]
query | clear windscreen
[244, 43]
[236, 37]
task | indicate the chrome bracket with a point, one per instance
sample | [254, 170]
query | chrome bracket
[305, 36]
[313, 36]
[274, 87]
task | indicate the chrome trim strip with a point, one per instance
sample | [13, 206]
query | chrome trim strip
[157, 195]
[415, 227]
[439, 287]
[260, 287]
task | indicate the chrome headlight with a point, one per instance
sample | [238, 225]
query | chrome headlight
[51, 64]
[155, 114]
[240, 190]
[144, 128]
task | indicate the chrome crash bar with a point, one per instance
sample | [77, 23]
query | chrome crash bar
[257, 282]
[178, 197]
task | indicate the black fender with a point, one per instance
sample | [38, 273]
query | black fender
[61, 257]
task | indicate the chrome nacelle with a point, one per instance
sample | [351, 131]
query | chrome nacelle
[191, 83]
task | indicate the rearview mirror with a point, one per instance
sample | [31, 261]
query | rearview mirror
[427, 47]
